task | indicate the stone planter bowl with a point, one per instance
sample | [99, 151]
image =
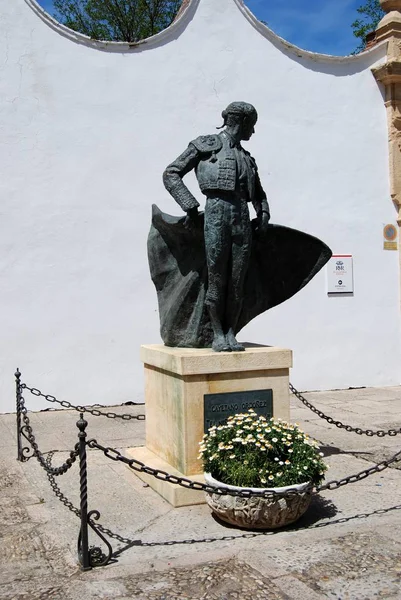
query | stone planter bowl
[256, 512]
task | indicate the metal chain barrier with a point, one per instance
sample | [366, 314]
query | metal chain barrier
[93, 411]
[339, 424]
[92, 556]
[56, 490]
[68, 504]
[89, 556]
[136, 465]
[27, 432]
[115, 455]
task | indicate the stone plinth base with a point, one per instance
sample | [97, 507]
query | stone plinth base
[176, 382]
[174, 494]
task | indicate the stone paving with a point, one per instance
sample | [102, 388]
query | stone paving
[347, 546]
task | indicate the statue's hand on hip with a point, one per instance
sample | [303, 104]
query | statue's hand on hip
[192, 219]
[263, 222]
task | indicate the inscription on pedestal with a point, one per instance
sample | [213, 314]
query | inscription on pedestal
[218, 407]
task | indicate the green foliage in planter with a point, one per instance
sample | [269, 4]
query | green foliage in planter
[252, 451]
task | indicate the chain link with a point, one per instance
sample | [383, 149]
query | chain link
[68, 504]
[349, 428]
[93, 411]
[378, 468]
[136, 465]
[27, 432]
[58, 493]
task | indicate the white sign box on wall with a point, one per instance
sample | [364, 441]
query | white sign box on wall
[340, 276]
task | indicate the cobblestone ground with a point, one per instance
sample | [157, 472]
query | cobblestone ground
[226, 579]
[347, 547]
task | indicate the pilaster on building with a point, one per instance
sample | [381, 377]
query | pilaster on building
[389, 74]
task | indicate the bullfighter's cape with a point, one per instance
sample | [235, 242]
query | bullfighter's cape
[282, 262]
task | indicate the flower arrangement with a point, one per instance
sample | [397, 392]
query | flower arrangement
[252, 451]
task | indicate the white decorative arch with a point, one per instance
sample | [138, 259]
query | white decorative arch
[156, 40]
[178, 26]
[275, 39]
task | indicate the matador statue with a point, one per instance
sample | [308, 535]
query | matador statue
[216, 270]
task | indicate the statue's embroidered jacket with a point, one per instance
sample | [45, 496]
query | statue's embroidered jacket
[219, 167]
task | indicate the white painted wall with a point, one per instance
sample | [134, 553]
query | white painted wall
[86, 131]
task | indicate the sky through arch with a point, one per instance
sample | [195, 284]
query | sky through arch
[317, 25]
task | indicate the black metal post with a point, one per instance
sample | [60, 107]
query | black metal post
[83, 541]
[18, 406]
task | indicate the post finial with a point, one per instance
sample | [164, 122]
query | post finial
[82, 424]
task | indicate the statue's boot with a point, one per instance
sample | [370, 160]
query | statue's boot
[233, 343]
[219, 339]
[220, 344]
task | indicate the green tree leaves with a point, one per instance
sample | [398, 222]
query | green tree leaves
[117, 20]
[371, 14]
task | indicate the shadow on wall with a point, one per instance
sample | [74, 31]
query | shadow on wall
[352, 66]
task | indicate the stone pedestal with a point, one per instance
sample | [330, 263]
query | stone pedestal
[176, 382]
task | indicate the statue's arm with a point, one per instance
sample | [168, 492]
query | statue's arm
[260, 202]
[173, 175]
